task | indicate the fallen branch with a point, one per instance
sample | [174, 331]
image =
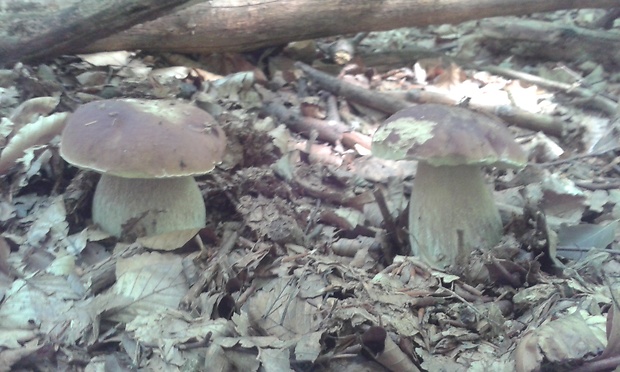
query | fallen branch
[389, 103]
[378, 101]
[326, 131]
[33, 30]
[551, 41]
[591, 185]
[595, 100]
[229, 25]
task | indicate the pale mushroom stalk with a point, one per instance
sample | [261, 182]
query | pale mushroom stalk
[445, 202]
[149, 205]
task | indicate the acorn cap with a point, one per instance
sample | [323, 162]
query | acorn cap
[443, 135]
[135, 138]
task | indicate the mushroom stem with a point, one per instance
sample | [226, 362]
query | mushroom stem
[133, 207]
[448, 201]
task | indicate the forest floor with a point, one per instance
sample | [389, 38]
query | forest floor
[304, 263]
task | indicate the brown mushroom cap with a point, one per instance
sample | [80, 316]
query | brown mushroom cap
[444, 135]
[135, 138]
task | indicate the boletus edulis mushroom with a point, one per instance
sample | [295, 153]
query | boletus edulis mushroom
[148, 153]
[451, 210]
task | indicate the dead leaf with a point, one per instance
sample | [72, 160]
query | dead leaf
[565, 340]
[46, 303]
[613, 331]
[166, 332]
[277, 309]
[575, 241]
[146, 283]
[50, 224]
[309, 347]
[113, 59]
[30, 110]
[169, 241]
[37, 133]
[10, 357]
[275, 360]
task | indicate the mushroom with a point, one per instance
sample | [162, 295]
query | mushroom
[147, 153]
[451, 210]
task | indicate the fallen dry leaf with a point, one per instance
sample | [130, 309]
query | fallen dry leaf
[146, 283]
[565, 340]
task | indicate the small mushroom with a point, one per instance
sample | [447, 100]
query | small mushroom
[148, 153]
[451, 210]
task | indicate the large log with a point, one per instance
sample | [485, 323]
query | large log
[31, 29]
[241, 25]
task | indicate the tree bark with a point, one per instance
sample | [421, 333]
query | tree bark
[233, 25]
[32, 29]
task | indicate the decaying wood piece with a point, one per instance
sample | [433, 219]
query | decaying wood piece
[332, 132]
[239, 25]
[33, 29]
[229, 25]
[375, 100]
[552, 41]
